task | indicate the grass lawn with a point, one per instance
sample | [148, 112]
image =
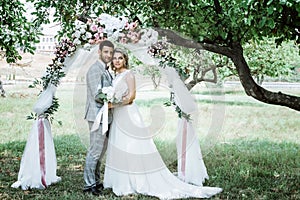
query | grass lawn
[250, 149]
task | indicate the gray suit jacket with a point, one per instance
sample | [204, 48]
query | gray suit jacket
[96, 75]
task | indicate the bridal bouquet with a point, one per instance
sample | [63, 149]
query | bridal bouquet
[105, 95]
[108, 94]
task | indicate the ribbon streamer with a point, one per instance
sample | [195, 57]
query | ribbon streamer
[183, 152]
[42, 151]
[102, 112]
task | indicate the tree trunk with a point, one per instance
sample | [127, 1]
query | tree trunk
[256, 91]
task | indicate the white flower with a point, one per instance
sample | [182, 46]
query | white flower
[77, 24]
[88, 35]
[87, 46]
[110, 92]
[77, 34]
[82, 30]
[77, 41]
[83, 26]
[84, 37]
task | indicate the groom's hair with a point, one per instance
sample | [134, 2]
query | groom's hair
[106, 43]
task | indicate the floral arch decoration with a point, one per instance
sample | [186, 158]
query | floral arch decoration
[143, 44]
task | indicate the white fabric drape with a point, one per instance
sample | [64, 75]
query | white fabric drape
[191, 167]
[38, 164]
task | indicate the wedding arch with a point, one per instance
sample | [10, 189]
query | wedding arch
[145, 46]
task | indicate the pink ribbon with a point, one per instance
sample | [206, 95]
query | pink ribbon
[42, 150]
[183, 148]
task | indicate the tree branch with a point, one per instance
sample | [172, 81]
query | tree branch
[236, 55]
[195, 80]
[179, 40]
[258, 92]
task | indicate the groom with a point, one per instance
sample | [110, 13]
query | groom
[97, 76]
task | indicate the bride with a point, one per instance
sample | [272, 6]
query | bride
[133, 163]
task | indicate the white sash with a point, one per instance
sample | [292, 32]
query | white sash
[102, 112]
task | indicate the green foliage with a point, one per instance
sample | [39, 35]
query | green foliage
[266, 59]
[16, 32]
[65, 13]
[48, 113]
[153, 72]
[218, 22]
[178, 110]
[224, 23]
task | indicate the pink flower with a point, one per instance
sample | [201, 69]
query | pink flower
[126, 26]
[129, 34]
[132, 26]
[135, 37]
[91, 41]
[93, 28]
[97, 36]
[124, 40]
[100, 30]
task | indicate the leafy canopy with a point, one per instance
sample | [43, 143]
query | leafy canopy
[15, 30]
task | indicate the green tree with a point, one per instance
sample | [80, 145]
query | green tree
[221, 27]
[265, 59]
[154, 74]
[16, 32]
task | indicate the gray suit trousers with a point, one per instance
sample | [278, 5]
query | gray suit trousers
[96, 151]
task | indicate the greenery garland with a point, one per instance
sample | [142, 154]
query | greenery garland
[161, 50]
[54, 73]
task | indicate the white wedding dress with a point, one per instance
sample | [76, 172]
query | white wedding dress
[133, 163]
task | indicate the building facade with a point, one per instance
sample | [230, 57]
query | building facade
[48, 41]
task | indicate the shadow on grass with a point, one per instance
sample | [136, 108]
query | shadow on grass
[244, 169]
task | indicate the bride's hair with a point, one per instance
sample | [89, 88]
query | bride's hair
[125, 55]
